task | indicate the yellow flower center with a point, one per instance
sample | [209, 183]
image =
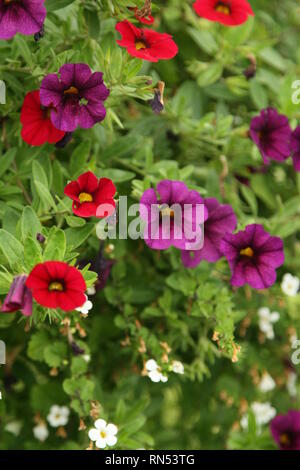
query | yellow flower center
[284, 439]
[167, 212]
[85, 197]
[103, 434]
[223, 8]
[56, 286]
[247, 252]
[71, 91]
[140, 45]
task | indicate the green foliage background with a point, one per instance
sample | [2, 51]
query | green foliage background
[151, 299]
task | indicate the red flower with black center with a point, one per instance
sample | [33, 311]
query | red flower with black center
[37, 127]
[55, 284]
[228, 12]
[145, 43]
[88, 193]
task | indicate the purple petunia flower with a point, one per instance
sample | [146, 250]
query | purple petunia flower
[173, 217]
[76, 96]
[271, 132]
[285, 430]
[221, 220]
[21, 16]
[295, 147]
[253, 256]
[19, 297]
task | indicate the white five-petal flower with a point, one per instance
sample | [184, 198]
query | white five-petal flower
[290, 285]
[266, 320]
[154, 371]
[40, 432]
[103, 434]
[267, 383]
[177, 367]
[263, 413]
[58, 416]
[86, 307]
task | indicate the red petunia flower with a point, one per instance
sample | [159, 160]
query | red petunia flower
[37, 127]
[145, 43]
[88, 193]
[228, 12]
[55, 284]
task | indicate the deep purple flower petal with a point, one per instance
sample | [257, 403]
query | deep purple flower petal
[23, 16]
[172, 191]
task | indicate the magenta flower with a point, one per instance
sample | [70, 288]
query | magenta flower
[285, 430]
[76, 97]
[19, 297]
[172, 217]
[221, 220]
[295, 147]
[21, 16]
[253, 256]
[271, 132]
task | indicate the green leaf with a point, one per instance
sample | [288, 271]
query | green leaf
[116, 175]
[32, 253]
[37, 344]
[30, 224]
[52, 5]
[6, 160]
[210, 74]
[79, 158]
[55, 353]
[77, 236]
[11, 247]
[74, 221]
[55, 246]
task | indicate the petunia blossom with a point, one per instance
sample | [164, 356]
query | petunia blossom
[37, 128]
[55, 284]
[285, 430]
[227, 12]
[271, 132]
[145, 43]
[221, 219]
[88, 194]
[253, 256]
[21, 16]
[173, 216]
[76, 96]
[295, 148]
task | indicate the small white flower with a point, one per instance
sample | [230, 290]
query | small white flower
[58, 416]
[267, 383]
[103, 434]
[86, 307]
[86, 357]
[266, 320]
[14, 427]
[290, 285]
[154, 372]
[177, 367]
[91, 290]
[291, 384]
[40, 432]
[263, 413]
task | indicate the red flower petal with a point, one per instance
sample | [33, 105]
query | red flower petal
[88, 182]
[37, 127]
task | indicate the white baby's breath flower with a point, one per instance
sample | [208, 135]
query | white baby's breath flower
[86, 307]
[40, 432]
[290, 285]
[91, 290]
[14, 427]
[177, 367]
[266, 320]
[263, 413]
[103, 434]
[267, 383]
[58, 416]
[291, 384]
[154, 372]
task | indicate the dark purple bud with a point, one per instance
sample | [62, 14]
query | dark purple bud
[77, 350]
[64, 141]
[40, 238]
[39, 34]
[19, 297]
[156, 104]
